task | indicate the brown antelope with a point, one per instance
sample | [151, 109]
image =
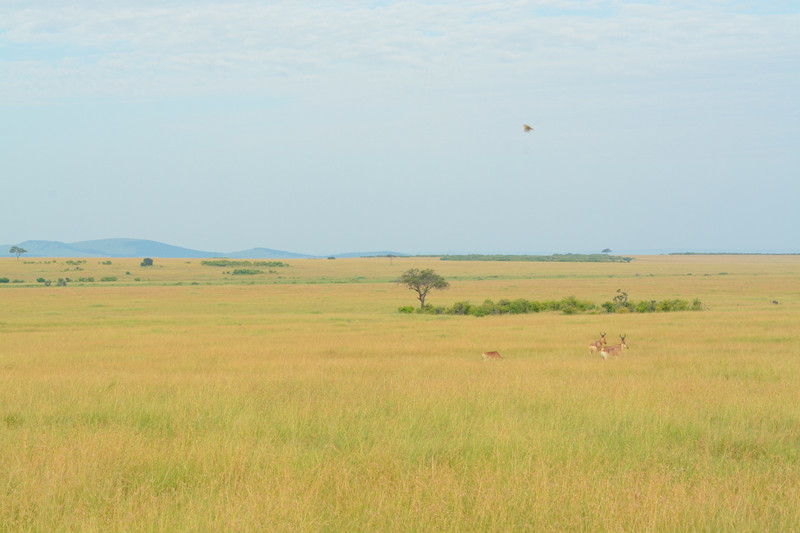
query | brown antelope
[598, 345]
[491, 355]
[614, 350]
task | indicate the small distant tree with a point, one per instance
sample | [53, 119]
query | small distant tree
[607, 251]
[17, 250]
[621, 299]
[422, 282]
[147, 262]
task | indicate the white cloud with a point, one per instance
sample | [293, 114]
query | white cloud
[149, 48]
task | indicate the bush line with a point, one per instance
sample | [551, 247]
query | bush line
[230, 263]
[555, 258]
[569, 305]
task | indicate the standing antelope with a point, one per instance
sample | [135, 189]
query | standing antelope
[614, 350]
[598, 345]
[491, 355]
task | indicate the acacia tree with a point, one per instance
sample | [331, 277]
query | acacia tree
[17, 250]
[422, 282]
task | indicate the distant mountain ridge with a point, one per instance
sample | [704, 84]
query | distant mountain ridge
[147, 248]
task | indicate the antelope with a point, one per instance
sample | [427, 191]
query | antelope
[491, 355]
[614, 350]
[598, 345]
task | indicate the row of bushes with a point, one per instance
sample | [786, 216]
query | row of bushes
[653, 306]
[231, 263]
[246, 272]
[569, 305]
[64, 281]
[61, 281]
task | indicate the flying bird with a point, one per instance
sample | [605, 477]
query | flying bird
[527, 128]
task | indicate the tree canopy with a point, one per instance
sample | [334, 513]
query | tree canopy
[17, 250]
[422, 282]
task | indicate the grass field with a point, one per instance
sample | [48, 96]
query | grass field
[181, 397]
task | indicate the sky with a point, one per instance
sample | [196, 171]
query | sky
[327, 126]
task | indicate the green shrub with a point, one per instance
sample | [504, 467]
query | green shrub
[535, 307]
[460, 308]
[572, 302]
[503, 307]
[486, 308]
[478, 311]
[406, 309]
[519, 306]
[4, 280]
[109, 278]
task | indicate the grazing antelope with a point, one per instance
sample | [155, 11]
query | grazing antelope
[614, 350]
[598, 345]
[491, 355]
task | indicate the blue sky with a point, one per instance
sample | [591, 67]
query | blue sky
[323, 127]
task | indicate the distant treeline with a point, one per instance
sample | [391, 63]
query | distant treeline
[732, 253]
[231, 263]
[555, 258]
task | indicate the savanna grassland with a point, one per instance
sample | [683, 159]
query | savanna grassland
[182, 397]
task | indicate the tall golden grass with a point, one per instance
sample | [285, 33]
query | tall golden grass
[302, 400]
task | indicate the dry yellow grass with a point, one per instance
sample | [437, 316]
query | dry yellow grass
[302, 400]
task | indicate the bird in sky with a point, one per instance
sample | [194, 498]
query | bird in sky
[527, 128]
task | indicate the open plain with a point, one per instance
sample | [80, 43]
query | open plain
[183, 397]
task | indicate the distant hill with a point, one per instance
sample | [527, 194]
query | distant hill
[370, 254]
[108, 248]
[47, 249]
[136, 248]
[266, 253]
[146, 248]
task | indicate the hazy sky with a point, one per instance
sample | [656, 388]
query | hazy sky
[343, 125]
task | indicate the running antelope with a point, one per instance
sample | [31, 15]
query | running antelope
[598, 345]
[614, 350]
[491, 355]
